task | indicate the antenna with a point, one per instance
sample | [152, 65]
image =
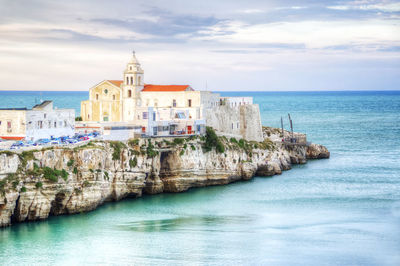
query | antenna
[291, 124]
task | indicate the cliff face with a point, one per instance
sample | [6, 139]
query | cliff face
[36, 184]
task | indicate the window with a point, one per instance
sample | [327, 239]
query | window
[55, 124]
[232, 125]
[88, 116]
[65, 123]
[147, 102]
[130, 68]
[129, 93]
[190, 102]
[154, 116]
[0, 123]
[114, 97]
[9, 126]
[173, 103]
[44, 115]
[49, 124]
[145, 115]
[131, 80]
[237, 125]
[97, 97]
[127, 80]
[139, 80]
[40, 124]
[155, 102]
[105, 91]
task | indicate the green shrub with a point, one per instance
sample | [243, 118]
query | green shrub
[118, 146]
[39, 184]
[70, 163]
[50, 174]
[133, 142]
[212, 141]
[233, 140]
[182, 152]
[15, 183]
[91, 170]
[106, 175]
[150, 150]
[193, 147]
[133, 162]
[185, 146]
[23, 189]
[86, 183]
[75, 171]
[179, 141]
[78, 118]
[64, 174]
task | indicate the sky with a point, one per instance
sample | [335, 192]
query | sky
[219, 45]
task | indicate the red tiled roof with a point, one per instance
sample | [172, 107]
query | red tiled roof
[12, 137]
[151, 87]
[116, 82]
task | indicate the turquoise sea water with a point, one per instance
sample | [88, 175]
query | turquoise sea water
[341, 211]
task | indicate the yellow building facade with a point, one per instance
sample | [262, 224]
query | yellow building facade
[125, 100]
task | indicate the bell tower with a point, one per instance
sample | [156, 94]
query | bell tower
[132, 86]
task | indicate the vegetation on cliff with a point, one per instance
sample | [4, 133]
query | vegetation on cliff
[212, 141]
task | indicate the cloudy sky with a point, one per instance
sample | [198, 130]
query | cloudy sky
[247, 45]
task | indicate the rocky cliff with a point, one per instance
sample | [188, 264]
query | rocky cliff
[53, 181]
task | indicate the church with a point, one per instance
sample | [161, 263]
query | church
[130, 105]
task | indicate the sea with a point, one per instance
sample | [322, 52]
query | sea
[339, 211]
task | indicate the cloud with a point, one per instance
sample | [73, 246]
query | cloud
[311, 34]
[162, 23]
[231, 44]
[368, 6]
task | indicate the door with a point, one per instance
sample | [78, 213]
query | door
[189, 129]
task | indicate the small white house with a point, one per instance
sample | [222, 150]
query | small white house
[42, 121]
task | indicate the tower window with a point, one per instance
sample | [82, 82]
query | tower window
[129, 93]
[97, 96]
[190, 102]
[174, 103]
[130, 68]
[114, 97]
[127, 80]
[131, 80]
[139, 80]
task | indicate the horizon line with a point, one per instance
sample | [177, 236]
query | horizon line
[362, 90]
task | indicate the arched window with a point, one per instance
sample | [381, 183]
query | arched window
[113, 97]
[127, 80]
[131, 80]
[173, 103]
[129, 93]
[139, 80]
[97, 96]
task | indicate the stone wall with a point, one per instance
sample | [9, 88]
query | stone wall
[242, 121]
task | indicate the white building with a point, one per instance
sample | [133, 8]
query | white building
[42, 121]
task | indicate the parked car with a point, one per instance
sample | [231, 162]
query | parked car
[71, 141]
